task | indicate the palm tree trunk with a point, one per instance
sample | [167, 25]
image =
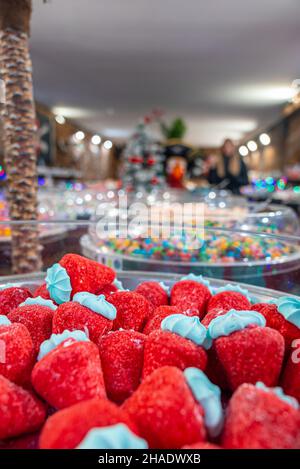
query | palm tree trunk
[19, 139]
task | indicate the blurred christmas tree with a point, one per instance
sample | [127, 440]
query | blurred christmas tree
[143, 159]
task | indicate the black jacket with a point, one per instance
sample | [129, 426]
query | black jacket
[234, 182]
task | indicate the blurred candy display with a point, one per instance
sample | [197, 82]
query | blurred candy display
[251, 242]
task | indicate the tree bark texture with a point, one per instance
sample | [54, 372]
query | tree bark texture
[19, 139]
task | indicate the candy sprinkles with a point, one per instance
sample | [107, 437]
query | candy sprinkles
[214, 248]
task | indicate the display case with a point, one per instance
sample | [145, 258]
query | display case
[55, 238]
[262, 259]
[251, 243]
[258, 259]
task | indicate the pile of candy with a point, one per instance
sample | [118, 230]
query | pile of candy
[4, 229]
[190, 246]
[87, 364]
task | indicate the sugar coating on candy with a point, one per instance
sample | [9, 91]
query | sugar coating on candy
[22, 442]
[56, 339]
[42, 291]
[154, 322]
[185, 326]
[11, 297]
[228, 300]
[122, 355]
[190, 295]
[114, 437]
[67, 428]
[73, 316]
[86, 274]
[234, 288]
[18, 353]
[279, 393]
[209, 396]
[133, 310]
[21, 412]
[290, 309]
[202, 445]
[154, 293]
[247, 356]
[38, 300]
[165, 410]
[163, 348]
[37, 319]
[277, 321]
[96, 303]
[107, 290]
[234, 321]
[58, 284]
[256, 419]
[214, 313]
[69, 374]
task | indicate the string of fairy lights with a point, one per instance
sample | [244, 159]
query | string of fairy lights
[80, 135]
[252, 145]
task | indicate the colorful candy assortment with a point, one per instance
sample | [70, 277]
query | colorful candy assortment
[190, 246]
[4, 229]
[187, 366]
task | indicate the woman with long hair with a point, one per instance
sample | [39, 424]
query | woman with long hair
[228, 168]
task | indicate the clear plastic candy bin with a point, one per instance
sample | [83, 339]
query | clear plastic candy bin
[59, 238]
[277, 265]
[261, 259]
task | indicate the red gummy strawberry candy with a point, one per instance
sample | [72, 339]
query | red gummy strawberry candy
[214, 313]
[277, 321]
[73, 316]
[21, 412]
[42, 291]
[165, 411]
[133, 310]
[16, 352]
[85, 274]
[259, 419]
[290, 380]
[157, 316]
[37, 319]
[227, 300]
[23, 442]
[190, 295]
[69, 373]
[107, 290]
[74, 274]
[122, 354]
[247, 356]
[68, 427]
[163, 348]
[154, 293]
[11, 297]
[202, 445]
